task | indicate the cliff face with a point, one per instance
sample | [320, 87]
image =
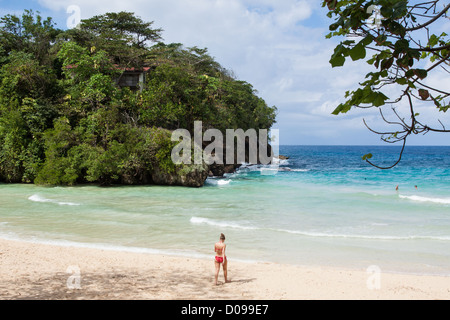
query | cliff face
[186, 176]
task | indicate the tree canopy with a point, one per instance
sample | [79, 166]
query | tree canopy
[64, 118]
[402, 41]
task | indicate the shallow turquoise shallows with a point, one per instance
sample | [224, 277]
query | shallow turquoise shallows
[323, 206]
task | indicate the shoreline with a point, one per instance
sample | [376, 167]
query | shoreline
[201, 256]
[50, 272]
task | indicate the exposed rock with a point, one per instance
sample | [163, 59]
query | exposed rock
[138, 178]
[186, 176]
[218, 170]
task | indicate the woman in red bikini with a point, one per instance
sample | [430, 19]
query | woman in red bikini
[219, 249]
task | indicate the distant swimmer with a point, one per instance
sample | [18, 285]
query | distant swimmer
[415, 187]
[396, 188]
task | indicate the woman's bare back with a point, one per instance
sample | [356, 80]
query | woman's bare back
[219, 247]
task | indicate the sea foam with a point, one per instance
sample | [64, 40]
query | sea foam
[199, 220]
[313, 234]
[38, 198]
[426, 199]
[218, 182]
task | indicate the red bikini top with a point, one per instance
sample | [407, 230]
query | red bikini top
[218, 250]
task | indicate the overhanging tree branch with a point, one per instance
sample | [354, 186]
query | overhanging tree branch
[399, 57]
[430, 21]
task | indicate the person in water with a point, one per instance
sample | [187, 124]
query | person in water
[220, 258]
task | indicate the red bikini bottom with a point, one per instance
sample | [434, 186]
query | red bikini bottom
[220, 259]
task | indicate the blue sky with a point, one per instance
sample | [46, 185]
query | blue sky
[277, 46]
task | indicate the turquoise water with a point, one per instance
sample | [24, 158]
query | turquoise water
[323, 206]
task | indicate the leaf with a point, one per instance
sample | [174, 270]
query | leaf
[421, 73]
[402, 81]
[378, 99]
[358, 52]
[367, 40]
[399, 9]
[338, 57]
[367, 156]
[433, 40]
[409, 74]
[444, 108]
[401, 45]
[340, 109]
[397, 28]
[424, 94]
[387, 63]
[381, 40]
[334, 26]
[337, 61]
[331, 4]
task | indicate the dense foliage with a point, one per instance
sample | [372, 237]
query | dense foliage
[65, 120]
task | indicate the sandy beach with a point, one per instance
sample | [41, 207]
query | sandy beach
[47, 272]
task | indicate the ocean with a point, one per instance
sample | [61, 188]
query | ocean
[323, 206]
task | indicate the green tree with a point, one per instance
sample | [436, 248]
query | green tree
[89, 74]
[405, 52]
[27, 109]
[13, 141]
[29, 33]
[23, 77]
[197, 59]
[174, 98]
[124, 36]
[58, 168]
[187, 84]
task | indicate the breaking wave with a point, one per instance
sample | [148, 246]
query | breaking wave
[218, 182]
[426, 199]
[233, 225]
[38, 198]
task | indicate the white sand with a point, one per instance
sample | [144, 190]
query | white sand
[36, 271]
